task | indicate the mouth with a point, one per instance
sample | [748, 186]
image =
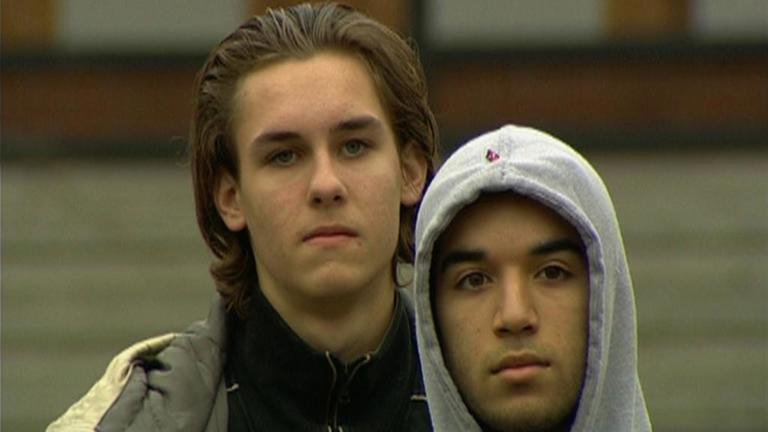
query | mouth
[519, 363]
[329, 234]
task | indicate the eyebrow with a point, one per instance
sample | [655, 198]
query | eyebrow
[558, 245]
[357, 123]
[459, 256]
[353, 124]
[545, 248]
[275, 136]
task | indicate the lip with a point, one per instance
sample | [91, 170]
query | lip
[518, 363]
[331, 233]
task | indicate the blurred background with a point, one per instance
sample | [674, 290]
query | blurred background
[667, 98]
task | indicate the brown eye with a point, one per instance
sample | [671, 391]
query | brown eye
[554, 273]
[473, 281]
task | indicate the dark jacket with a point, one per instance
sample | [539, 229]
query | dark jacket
[176, 382]
[278, 383]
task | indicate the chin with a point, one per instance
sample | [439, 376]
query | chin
[528, 416]
[506, 423]
[333, 283]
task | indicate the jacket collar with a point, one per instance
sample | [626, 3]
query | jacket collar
[288, 385]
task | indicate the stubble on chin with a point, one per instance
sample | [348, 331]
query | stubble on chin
[525, 422]
[547, 416]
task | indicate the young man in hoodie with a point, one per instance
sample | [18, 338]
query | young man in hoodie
[310, 144]
[524, 302]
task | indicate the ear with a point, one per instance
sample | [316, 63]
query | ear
[414, 168]
[227, 198]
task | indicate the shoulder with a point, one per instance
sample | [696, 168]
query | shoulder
[157, 381]
[86, 413]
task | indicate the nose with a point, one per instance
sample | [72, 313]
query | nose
[515, 307]
[326, 185]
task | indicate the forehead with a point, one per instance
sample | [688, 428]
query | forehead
[326, 74]
[306, 97]
[504, 220]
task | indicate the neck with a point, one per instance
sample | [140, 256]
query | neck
[347, 325]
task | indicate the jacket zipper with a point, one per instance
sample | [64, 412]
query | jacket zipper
[334, 426]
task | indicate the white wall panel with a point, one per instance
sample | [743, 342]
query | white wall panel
[451, 23]
[730, 19]
[146, 25]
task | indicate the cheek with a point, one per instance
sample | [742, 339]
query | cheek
[577, 354]
[382, 187]
[377, 197]
[578, 325]
[271, 212]
[581, 332]
[464, 349]
[382, 174]
[571, 336]
[461, 329]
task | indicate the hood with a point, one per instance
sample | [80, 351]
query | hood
[536, 165]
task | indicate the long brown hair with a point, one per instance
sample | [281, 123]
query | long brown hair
[296, 32]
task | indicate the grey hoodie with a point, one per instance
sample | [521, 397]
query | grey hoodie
[536, 165]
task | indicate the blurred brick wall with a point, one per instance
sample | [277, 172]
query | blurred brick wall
[644, 80]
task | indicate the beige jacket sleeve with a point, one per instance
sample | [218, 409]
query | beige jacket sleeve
[86, 413]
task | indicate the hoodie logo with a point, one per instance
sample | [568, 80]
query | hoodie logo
[491, 156]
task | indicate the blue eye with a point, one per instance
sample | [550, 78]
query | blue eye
[354, 147]
[283, 157]
[473, 281]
